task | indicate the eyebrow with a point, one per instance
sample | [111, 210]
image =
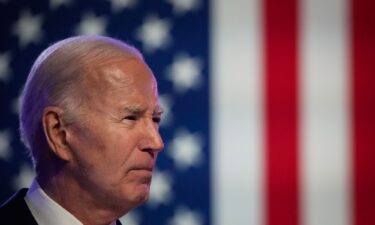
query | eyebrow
[135, 109]
[158, 110]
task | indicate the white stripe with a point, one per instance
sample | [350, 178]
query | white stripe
[236, 116]
[324, 106]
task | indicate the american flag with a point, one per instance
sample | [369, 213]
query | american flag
[270, 105]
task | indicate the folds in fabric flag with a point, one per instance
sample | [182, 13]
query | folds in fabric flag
[293, 98]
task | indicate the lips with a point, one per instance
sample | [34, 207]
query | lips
[146, 168]
[142, 174]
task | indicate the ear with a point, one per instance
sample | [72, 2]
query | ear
[55, 131]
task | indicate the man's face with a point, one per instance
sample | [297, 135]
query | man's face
[115, 146]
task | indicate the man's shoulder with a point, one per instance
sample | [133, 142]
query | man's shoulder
[15, 210]
[15, 200]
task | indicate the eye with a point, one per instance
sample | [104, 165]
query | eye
[131, 117]
[156, 120]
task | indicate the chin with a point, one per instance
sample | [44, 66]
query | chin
[138, 200]
[141, 199]
[141, 195]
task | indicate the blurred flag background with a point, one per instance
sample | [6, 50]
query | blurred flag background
[270, 105]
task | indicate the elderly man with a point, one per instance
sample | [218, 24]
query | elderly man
[89, 116]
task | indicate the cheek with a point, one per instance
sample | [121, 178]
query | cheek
[88, 150]
[117, 152]
[106, 152]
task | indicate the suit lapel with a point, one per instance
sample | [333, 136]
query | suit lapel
[15, 211]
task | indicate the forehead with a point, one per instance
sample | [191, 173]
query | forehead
[128, 72]
[130, 78]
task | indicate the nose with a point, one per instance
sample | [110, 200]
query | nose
[152, 140]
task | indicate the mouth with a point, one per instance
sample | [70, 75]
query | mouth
[143, 168]
[142, 175]
[143, 171]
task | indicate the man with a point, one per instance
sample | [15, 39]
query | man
[89, 116]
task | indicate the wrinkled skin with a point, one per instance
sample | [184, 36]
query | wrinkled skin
[114, 146]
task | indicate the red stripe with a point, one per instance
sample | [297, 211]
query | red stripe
[281, 115]
[363, 75]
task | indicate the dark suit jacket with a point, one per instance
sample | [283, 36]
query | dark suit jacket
[16, 212]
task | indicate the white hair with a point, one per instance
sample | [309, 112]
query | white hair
[55, 80]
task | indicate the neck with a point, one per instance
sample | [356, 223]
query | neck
[77, 201]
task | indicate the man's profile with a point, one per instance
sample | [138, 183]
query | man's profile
[89, 117]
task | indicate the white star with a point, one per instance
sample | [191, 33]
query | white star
[55, 4]
[28, 28]
[92, 25]
[185, 73]
[186, 149]
[154, 33]
[182, 6]
[131, 218]
[24, 178]
[166, 104]
[16, 105]
[5, 148]
[4, 67]
[185, 216]
[161, 191]
[118, 5]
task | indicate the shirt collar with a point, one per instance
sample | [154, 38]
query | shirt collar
[46, 211]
